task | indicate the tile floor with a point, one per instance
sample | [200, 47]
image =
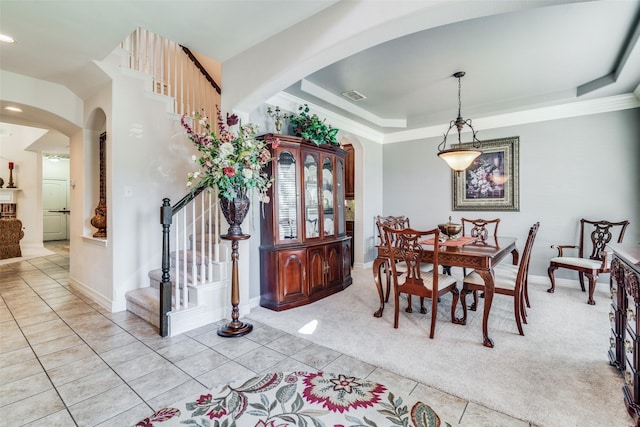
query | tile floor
[65, 361]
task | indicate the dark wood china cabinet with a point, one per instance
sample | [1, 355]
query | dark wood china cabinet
[305, 253]
[624, 352]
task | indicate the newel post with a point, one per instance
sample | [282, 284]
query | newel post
[166, 214]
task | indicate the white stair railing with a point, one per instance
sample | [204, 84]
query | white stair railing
[191, 250]
[174, 70]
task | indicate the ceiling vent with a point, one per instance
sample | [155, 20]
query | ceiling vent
[353, 95]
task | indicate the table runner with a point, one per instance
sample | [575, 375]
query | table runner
[460, 241]
[297, 399]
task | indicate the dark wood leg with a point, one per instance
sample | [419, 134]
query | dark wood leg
[489, 287]
[592, 288]
[454, 304]
[515, 257]
[517, 310]
[235, 328]
[377, 271]
[387, 271]
[550, 271]
[581, 280]
[474, 304]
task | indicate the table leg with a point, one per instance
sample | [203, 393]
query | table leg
[377, 271]
[515, 256]
[489, 286]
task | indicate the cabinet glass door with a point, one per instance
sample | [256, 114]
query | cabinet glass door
[328, 198]
[311, 201]
[287, 196]
[340, 196]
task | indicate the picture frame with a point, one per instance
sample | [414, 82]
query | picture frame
[492, 181]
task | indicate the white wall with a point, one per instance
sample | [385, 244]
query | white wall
[27, 177]
[583, 167]
[148, 159]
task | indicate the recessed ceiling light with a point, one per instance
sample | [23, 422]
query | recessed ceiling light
[353, 95]
[6, 39]
[16, 109]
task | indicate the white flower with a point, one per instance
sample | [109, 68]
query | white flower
[226, 149]
[194, 158]
[247, 173]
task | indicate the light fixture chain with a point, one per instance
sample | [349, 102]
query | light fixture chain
[459, 97]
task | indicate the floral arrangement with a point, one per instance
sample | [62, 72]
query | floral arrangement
[232, 161]
[312, 128]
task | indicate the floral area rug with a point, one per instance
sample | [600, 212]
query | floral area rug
[297, 399]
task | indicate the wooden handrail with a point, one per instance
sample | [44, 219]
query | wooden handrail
[202, 69]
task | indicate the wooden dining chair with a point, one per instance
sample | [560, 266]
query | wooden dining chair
[406, 250]
[592, 259]
[397, 223]
[504, 267]
[505, 283]
[481, 229]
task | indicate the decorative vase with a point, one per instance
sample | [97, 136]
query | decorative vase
[235, 212]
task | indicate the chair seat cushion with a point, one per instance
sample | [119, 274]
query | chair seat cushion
[444, 280]
[577, 262]
[500, 281]
[506, 270]
[425, 267]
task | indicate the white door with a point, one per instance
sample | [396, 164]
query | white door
[55, 206]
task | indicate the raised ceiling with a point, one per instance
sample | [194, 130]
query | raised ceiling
[539, 53]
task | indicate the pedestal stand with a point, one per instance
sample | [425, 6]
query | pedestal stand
[235, 328]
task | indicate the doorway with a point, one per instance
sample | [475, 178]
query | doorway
[55, 199]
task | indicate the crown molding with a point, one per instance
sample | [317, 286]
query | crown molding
[325, 95]
[534, 115]
[291, 103]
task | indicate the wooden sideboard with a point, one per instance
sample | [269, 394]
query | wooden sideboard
[624, 352]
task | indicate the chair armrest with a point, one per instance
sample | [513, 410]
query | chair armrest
[560, 248]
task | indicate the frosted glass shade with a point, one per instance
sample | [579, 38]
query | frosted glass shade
[459, 159]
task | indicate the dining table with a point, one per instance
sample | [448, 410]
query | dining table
[481, 255]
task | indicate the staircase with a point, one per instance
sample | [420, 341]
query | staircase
[197, 268]
[191, 289]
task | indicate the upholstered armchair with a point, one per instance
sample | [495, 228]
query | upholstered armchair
[10, 235]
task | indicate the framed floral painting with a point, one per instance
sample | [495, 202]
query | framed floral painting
[491, 182]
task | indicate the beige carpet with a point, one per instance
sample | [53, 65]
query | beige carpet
[558, 374]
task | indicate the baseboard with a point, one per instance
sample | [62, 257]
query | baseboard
[94, 296]
[192, 318]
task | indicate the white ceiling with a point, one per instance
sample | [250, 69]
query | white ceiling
[541, 54]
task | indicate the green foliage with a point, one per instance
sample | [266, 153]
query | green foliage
[312, 128]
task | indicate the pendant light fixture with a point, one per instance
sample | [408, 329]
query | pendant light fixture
[457, 157]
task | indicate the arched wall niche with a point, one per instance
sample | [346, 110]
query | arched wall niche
[96, 125]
